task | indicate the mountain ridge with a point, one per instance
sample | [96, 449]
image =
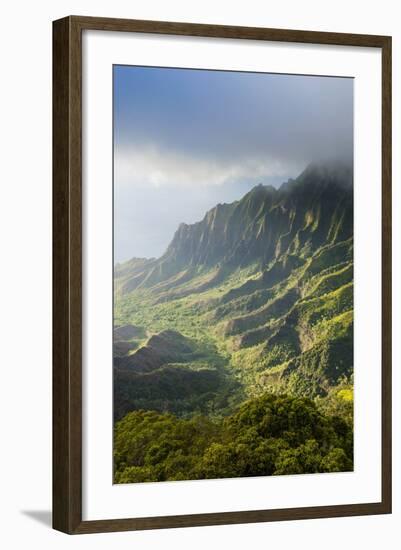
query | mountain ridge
[263, 225]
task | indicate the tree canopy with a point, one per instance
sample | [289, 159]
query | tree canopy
[269, 435]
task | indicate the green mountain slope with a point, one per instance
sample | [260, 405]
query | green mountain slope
[261, 288]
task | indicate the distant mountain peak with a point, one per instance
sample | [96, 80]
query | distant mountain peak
[337, 170]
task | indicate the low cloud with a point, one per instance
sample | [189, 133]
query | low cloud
[154, 167]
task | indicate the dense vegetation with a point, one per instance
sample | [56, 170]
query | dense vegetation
[269, 435]
[252, 303]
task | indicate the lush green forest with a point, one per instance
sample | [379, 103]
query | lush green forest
[269, 435]
[233, 352]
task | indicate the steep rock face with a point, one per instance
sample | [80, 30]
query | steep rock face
[266, 224]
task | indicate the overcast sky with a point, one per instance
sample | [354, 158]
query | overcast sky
[185, 140]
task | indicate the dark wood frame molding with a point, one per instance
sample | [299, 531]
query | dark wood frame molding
[67, 275]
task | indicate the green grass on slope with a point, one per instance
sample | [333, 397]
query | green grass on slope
[188, 315]
[329, 280]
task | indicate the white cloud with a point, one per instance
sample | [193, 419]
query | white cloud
[146, 166]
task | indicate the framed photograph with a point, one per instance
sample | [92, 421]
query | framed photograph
[222, 274]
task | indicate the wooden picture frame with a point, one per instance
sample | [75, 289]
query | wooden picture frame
[67, 274]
